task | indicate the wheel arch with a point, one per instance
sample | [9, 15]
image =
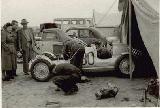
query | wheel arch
[120, 58]
[40, 58]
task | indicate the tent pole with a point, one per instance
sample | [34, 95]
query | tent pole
[130, 45]
[94, 21]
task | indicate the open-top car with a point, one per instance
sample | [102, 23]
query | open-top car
[43, 65]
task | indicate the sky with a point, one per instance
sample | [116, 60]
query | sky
[41, 11]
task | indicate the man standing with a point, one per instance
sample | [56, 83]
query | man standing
[15, 34]
[27, 44]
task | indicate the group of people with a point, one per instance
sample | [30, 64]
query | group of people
[68, 75]
[71, 74]
[16, 40]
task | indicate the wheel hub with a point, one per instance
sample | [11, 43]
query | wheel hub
[41, 70]
[125, 66]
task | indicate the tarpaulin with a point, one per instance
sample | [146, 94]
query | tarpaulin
[110, 20]
[148, 23]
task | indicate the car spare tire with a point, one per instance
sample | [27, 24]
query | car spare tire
[41, 70]
[122, 66]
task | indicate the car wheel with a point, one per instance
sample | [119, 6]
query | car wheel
[123, 66]
[40, 70]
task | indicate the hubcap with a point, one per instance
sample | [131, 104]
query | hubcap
[41, 70]
[124, 66]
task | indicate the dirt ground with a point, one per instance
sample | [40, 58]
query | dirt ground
[24, 92]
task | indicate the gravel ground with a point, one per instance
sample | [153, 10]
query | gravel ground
[24, 92]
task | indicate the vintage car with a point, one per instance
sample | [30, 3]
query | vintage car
[49, 40]
[43, 65]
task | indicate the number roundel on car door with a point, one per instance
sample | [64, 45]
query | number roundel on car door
[90, 58]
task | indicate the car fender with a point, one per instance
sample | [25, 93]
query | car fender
[39, 58]
[125, 53]
[50, 55]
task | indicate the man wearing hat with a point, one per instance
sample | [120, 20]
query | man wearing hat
[26, 44]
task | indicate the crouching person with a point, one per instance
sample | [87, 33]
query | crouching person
[67, 76]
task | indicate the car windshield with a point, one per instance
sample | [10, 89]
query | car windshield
[72, 33]
[50, 36]
[86, 34]
[83, 33]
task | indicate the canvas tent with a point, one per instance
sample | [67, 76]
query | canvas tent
[144, 28]
[110, 20]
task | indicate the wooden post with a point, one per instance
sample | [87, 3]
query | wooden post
[130, 41]
[94, 20]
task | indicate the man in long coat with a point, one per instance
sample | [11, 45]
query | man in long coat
[27, 44]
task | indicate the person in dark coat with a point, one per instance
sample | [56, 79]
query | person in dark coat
[26, 44]
[8, 52]
[102, 52]
[15, 33]
[67, 76]
[74, 50]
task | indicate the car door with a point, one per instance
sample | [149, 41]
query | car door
[89, 57]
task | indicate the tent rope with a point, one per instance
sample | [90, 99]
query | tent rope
[107, 12]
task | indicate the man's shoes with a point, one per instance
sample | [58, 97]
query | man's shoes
[57, 89]
[74, 88]
[26, 73]
[11, 77]
[15, 75]
[84, 79]
[6, 79]
[69, 93]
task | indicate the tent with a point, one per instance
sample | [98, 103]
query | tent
[144, 30]
[110, 20]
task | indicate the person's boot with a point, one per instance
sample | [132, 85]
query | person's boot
[26, 73]
[3, 75]
[75, 88]
[14, 73]
[84, 79]
[7, 77]
[11, 74]
[58, 89]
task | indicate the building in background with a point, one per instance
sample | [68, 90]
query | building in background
[66, 23]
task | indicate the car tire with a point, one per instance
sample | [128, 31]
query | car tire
[122, 66]
[41, 70]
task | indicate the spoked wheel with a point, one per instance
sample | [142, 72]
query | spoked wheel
[123, 66]
[40, 71]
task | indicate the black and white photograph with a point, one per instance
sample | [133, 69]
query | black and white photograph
[79, 53]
